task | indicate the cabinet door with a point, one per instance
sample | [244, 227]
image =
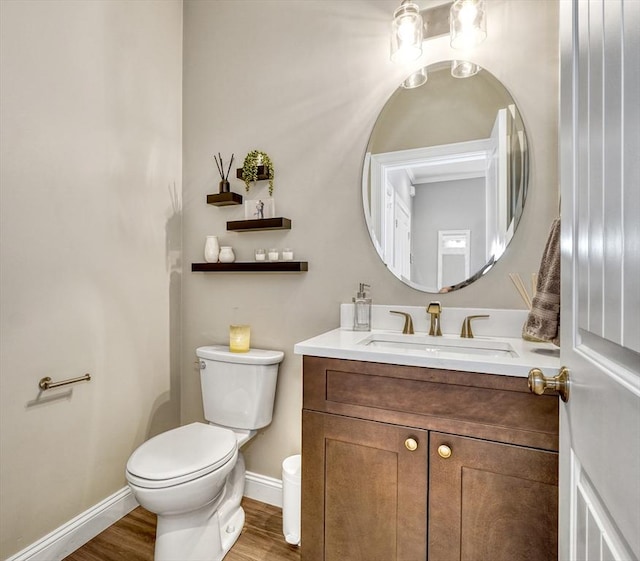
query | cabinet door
[364, 494]
[491, 501]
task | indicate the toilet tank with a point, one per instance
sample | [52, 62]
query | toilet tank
[238, 389]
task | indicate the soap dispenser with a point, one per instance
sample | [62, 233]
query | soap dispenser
[362, 310]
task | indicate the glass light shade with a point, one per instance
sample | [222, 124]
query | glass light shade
[406, 33]
[468, 23]
[415, 80]
[463, 69]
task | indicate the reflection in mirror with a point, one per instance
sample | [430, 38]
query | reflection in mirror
[445, 179]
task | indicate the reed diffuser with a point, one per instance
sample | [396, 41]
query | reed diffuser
[517, 281]
[224, 179]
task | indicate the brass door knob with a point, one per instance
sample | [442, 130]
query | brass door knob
[538, 382]
[411, 444]
[444, 451]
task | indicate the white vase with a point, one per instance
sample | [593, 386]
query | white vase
[211, 249]
[226, 254]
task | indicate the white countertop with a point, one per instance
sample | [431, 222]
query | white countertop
[345, 343]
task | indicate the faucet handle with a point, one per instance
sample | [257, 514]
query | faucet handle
[466, 331]
[408, 322]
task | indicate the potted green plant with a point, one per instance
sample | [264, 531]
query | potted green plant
[253, 160]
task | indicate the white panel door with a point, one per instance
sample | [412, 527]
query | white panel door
[600, 177]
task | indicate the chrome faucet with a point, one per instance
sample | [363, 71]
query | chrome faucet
[408, 322]
[466, 332]
[435, 309]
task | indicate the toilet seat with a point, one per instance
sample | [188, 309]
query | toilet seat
[181, 455]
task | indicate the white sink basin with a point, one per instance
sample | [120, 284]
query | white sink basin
[440, 346]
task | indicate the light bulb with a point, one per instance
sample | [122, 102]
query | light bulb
[467, 14]
[406, 29]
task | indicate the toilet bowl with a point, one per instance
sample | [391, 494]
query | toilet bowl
[193, 476]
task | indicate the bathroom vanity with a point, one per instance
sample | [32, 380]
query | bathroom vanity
[404, 462]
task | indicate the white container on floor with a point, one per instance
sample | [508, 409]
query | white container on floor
[291, 482]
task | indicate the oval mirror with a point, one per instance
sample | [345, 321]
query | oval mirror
[445, 178]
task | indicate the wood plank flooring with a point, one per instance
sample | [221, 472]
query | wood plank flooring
[132, 538]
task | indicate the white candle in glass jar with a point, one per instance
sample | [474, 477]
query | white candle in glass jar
[239, 338]
[261, 255]
[287, 254]
[273, 255]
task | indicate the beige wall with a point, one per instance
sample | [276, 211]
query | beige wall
[305, 81]
[90, 249]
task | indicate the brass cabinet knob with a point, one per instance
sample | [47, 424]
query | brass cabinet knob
[538, 382]
[444, 451]
[411, 444]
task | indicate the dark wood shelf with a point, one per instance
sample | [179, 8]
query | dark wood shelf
[224, 199]
[259, 224]
[251, 267]
[262, 173]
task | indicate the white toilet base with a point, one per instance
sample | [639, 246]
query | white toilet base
[206, 534]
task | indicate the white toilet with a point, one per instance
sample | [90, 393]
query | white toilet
[192, 477]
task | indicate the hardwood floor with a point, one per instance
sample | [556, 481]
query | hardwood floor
[132, 538]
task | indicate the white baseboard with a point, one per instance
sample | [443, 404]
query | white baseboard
[74, 534]
[78, 531]
[263, 488]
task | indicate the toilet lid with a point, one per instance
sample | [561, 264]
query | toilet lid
[182, 454]
[221, 353]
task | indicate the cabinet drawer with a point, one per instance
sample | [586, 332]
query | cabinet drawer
[480, 405]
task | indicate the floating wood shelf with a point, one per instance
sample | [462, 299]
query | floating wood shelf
[252, 267]
[259, 224]
[262, 173]
[224, 199]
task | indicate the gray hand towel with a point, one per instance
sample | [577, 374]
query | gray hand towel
[543, 323]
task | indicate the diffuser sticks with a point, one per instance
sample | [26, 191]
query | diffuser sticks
[224, 178]
[517, 281]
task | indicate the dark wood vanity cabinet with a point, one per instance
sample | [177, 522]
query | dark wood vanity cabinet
[404, 463]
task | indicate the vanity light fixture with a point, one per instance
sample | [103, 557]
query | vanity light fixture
[464, 20]
[406, 33]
